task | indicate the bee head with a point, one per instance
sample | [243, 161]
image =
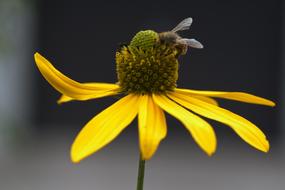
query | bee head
[145, 39]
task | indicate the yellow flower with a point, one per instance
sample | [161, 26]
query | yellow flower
[147, 71]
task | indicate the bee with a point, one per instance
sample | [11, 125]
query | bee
[171, 38]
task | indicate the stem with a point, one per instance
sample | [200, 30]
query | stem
[141, 174]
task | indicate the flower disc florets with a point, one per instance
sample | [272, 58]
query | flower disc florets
[146, 65]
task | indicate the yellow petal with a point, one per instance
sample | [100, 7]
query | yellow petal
[244, 128]
[206, 99]
[104, 127]
[238, 96]
[200, 130]
[152, 126]
[98, 94]
[68, 86]
[64, 99]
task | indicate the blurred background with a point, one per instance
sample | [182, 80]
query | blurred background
[244, 51]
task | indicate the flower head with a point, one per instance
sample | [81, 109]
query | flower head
[147, 72]
[147, 67]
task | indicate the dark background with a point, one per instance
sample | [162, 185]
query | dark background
[241, 38]
[243, 51]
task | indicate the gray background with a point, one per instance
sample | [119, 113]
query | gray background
[244, 51]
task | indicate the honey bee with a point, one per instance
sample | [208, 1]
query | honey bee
[171, 38]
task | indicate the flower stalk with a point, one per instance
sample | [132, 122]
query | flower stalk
[141, 173]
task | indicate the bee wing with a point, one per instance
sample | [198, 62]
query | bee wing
[191, 43]
[183, 25]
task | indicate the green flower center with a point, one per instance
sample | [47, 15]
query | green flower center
[146, 65]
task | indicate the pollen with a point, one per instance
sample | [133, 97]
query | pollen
[146, 66]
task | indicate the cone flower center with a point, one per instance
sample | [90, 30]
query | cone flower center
[146, 65]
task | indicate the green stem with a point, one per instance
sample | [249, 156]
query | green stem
[140, 174]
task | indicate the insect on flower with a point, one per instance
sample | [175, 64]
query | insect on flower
[147, 71]
[171, 38]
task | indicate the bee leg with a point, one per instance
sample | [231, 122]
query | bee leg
[181, 50]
